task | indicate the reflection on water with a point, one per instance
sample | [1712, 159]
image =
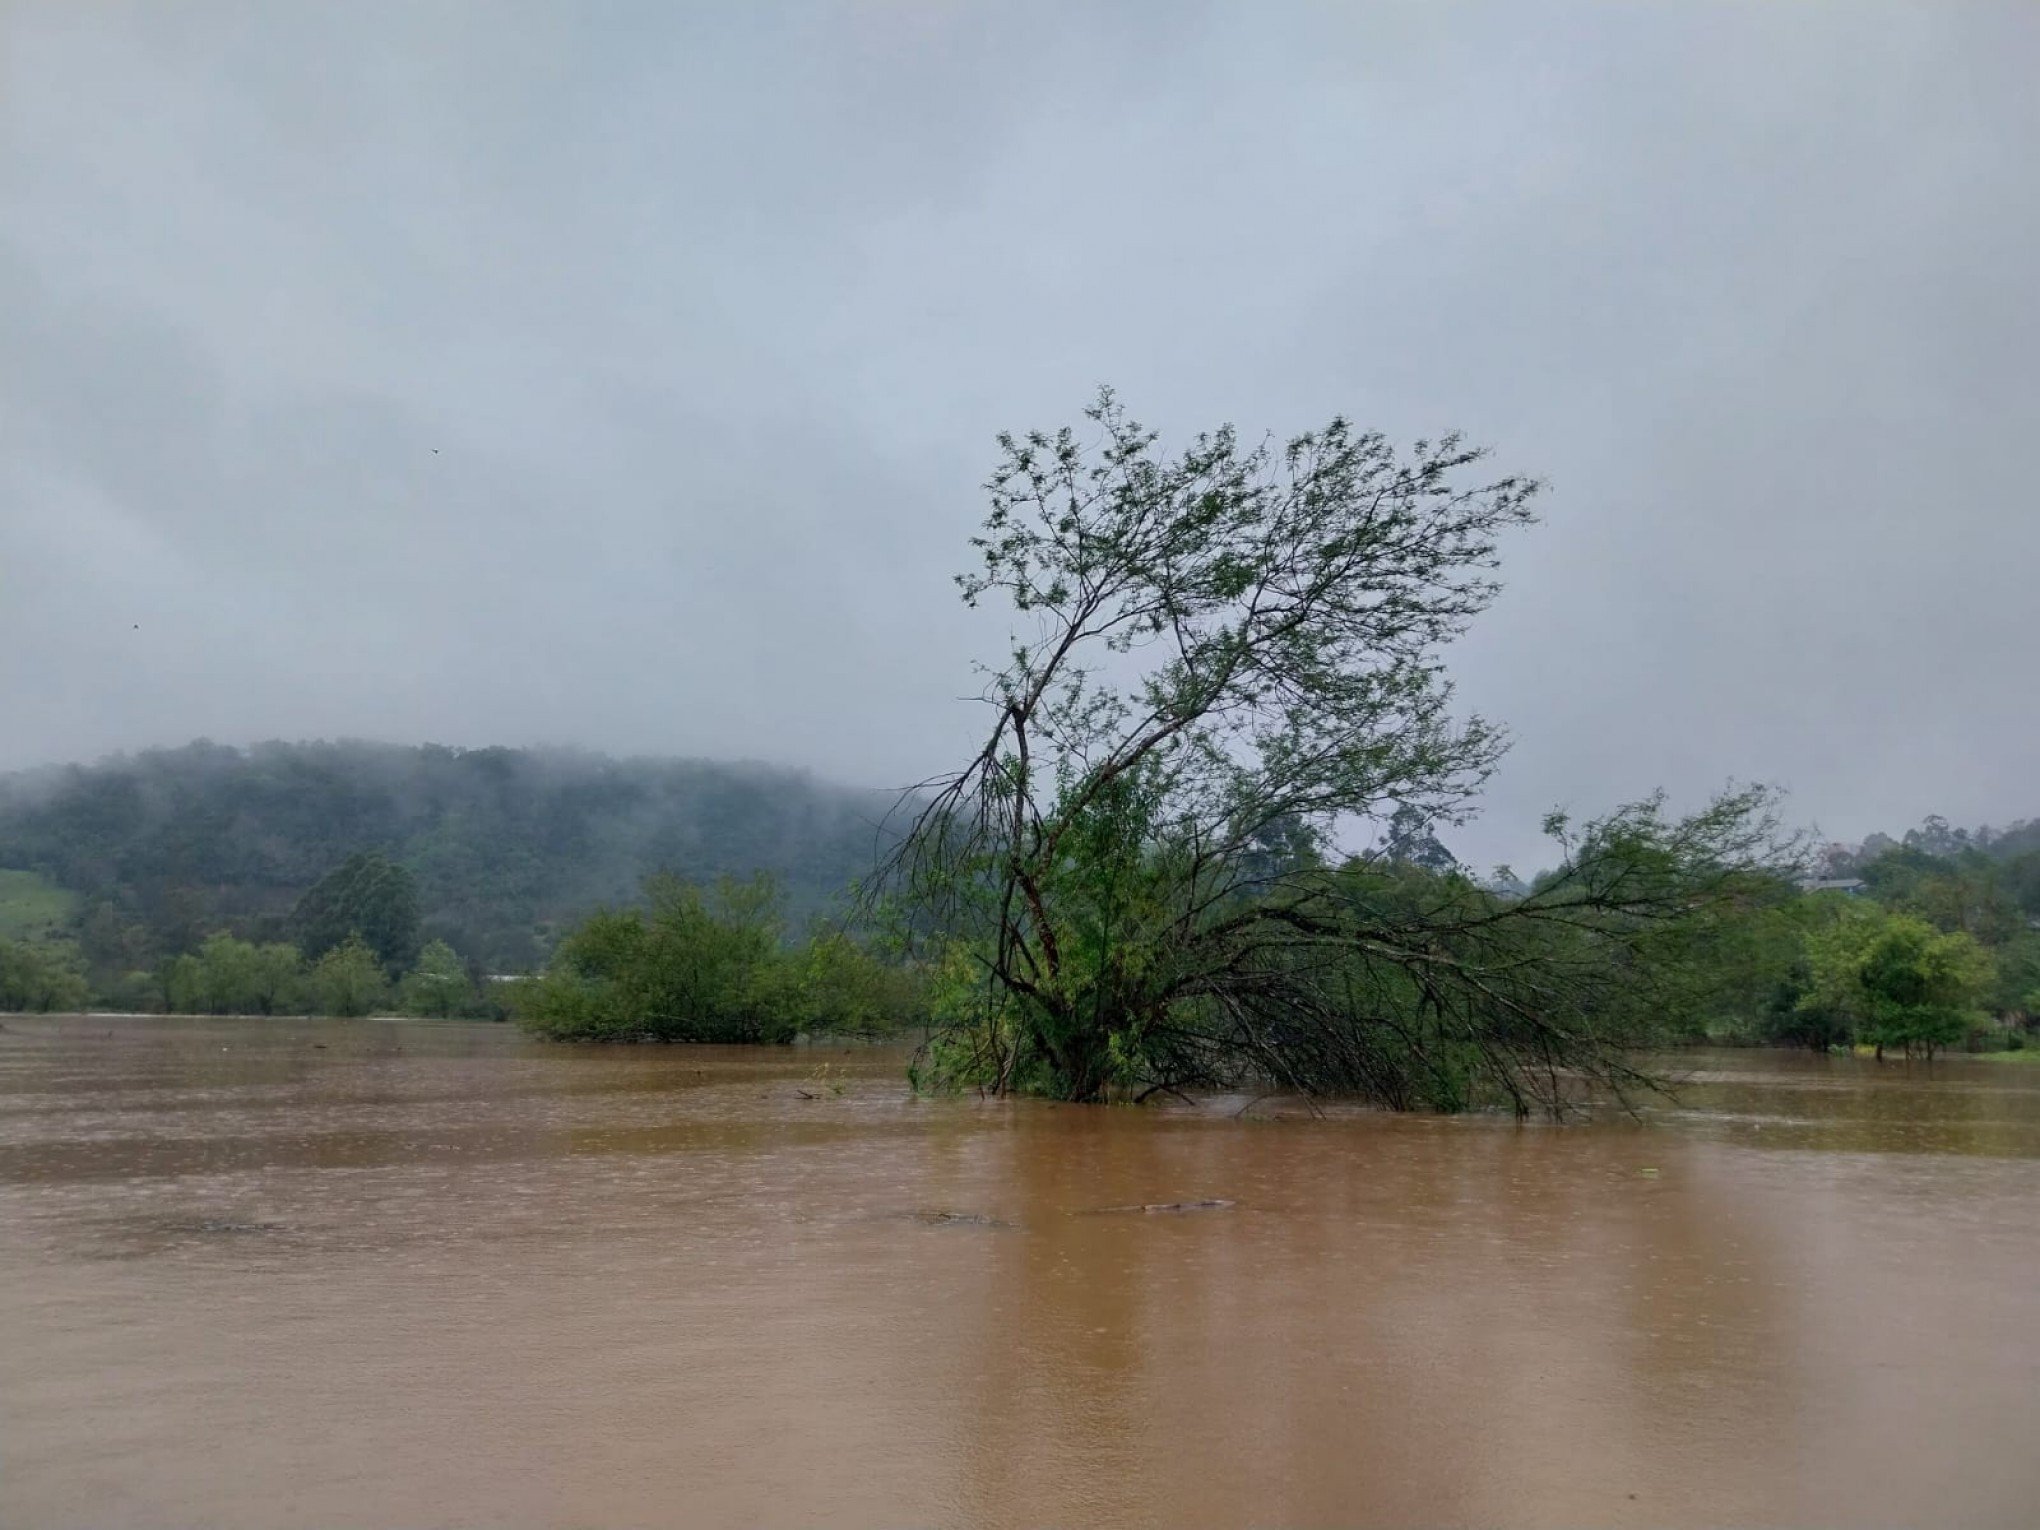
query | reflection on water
[276, 1273]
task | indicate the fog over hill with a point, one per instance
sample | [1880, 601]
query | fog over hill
[530, 373]
[162, 846]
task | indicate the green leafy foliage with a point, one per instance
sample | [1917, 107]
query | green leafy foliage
[1893, 980]
[40, 976]
[366, 897]
[688, 968]
[348, 980]
[439, 986]
[710, 966]
[1957, 912]
[227, 976]
[835, 984]
[1234, 654]
[230, 976]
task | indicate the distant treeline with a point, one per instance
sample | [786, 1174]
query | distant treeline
[1928, 941]
[651, 900]
[690, 965]
[351, 946]
[139, 860]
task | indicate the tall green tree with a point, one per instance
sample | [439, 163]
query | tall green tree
[348, 980]
[1924, 986]
[369, 896]
[1410, 842]
[1228, 641]
[439, 985]
[1896, 981]
[40, 976]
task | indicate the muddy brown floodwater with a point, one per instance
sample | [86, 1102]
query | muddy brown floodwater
[288, 1273]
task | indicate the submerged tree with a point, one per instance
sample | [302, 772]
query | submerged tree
[1895, 980]
[694, 966]
[226, 976]
[347, 981]
[439, 985]
[1235, 657]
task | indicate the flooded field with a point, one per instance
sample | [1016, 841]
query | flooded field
[288, 1273]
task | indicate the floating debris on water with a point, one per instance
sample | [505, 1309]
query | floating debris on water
[952, 1219]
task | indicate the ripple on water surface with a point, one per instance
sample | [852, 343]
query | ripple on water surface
[304, 1273]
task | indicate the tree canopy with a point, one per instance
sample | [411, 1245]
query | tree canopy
[1232, 657]
[41, 977]
[367, 896]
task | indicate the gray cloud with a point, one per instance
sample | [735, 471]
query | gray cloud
[624, 374]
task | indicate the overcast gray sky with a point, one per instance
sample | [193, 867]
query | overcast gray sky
[623, 375]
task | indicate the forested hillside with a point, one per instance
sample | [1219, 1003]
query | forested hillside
[158, 850]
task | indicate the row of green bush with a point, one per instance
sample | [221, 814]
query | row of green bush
[714, 966]
[230, 976]
[690, 965]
